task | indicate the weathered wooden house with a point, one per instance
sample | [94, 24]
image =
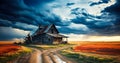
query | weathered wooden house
[47, 35]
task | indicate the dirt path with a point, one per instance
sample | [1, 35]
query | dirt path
[53, 56]
[22, 59]
[45, 56]
[36, 57]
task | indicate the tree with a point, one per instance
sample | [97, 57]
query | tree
[28, 39]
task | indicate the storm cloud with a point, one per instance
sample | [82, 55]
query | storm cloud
[36, 2]
[99, 2]
[70, 4]
[20, 15]
[103, 25]
[8, 33]
[115, 10]
[17, 11]
[74, 16]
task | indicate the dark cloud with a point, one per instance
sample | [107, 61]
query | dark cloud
[115, 10]
[55, 19]
[103, 25]
[5, 23]
[36, 2]
[56, 6]
[75, 11]
[79, 20]
[7, 33]
[100, 2]
[24, 12]
[70, 4]
[79, 11]
[28, 14]
[67, 30]
[16, 11]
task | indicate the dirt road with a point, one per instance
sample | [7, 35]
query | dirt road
[44, 56]
[36, 56]
[52, 56]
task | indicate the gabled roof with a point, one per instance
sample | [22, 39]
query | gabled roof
[44, 29]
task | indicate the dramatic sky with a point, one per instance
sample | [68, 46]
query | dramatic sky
[81, 19]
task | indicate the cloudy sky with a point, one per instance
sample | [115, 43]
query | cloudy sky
[81, 19]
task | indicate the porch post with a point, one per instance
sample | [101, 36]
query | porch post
[66, 39]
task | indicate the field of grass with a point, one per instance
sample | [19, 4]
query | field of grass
[9, 52]
[94, 52]
[104, 48]
[83, 52]
[45, 47]
[81, 58]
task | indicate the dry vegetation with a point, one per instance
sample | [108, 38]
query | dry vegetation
[104, 48]
[8, 49]
[94, 52]
[83, 58]
[9, 52]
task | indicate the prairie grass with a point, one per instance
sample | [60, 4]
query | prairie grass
[45, 47]
[81, 58]
[12, 55]
[103, 48]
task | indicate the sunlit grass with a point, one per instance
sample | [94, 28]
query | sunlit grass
[82, 58]
[25, 49]
[106, 48]
[45, 47]
[12, 55]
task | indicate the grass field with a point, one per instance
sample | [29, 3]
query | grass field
[82, 52]
[9, 49]
[104, 48]
[82, 58]
[46, 47]
[9, 52]
[94, 52]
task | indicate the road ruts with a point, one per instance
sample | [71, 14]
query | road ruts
[36, 57]
[45, 56]
[52, 56]
[22, 59]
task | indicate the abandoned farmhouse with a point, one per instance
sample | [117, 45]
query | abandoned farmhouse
[46, 35]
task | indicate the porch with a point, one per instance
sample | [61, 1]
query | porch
[59, 39]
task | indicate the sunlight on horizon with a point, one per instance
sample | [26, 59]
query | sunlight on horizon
[80, 37]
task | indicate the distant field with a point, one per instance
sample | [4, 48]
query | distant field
[8, 48]
[104, 48]
[9, 52]
[6, 42]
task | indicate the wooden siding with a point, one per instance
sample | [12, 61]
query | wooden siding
[53, 30]
[43, 39]
[47, 35]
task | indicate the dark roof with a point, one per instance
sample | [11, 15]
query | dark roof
[43, 29]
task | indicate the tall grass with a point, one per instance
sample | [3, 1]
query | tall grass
[46, 47]
[80, 58]
[5, 58]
